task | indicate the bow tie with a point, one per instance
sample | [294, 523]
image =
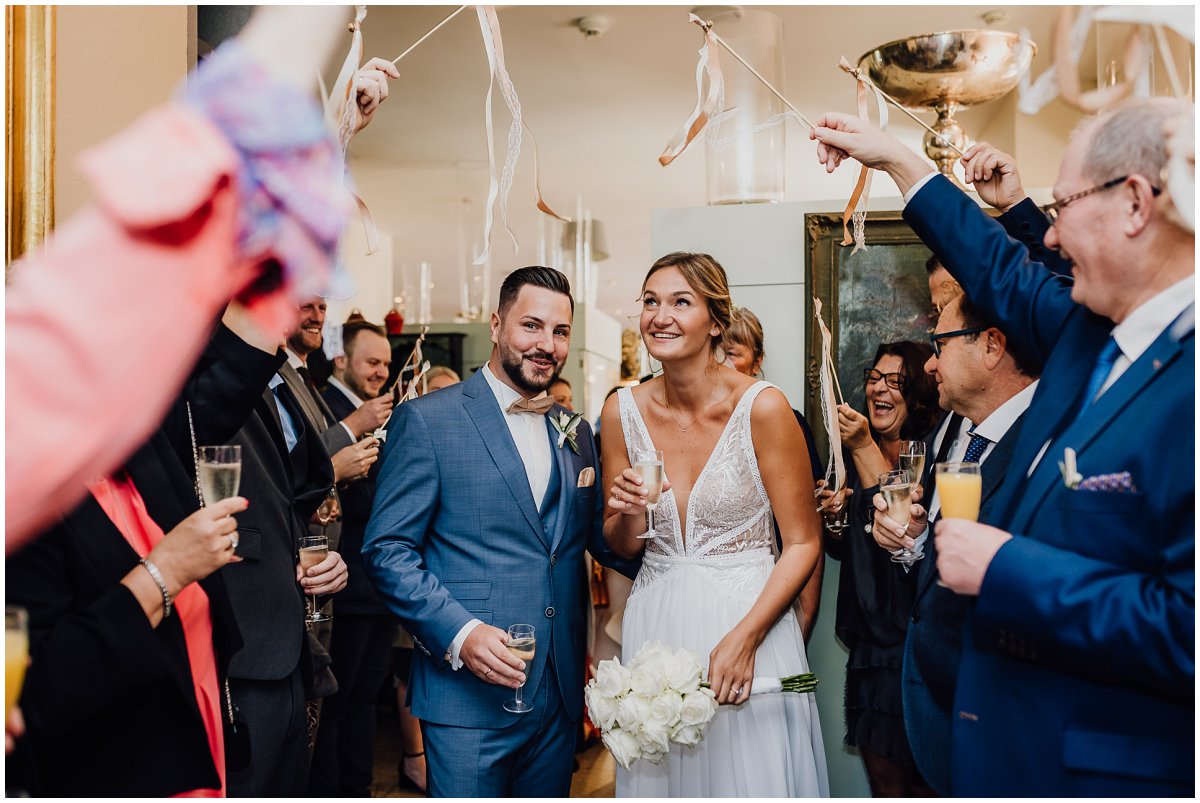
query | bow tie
[538, 405]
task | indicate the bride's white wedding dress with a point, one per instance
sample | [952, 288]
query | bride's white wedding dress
[689, 593]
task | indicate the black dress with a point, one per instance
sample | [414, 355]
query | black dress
[875, 598]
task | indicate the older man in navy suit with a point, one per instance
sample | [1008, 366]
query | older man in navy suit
[1078, 672]
[484, 505]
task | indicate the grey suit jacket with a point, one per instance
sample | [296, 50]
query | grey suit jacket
[333, 437]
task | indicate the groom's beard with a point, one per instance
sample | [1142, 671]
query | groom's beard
[524, 374]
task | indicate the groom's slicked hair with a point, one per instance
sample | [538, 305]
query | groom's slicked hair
[537, 276]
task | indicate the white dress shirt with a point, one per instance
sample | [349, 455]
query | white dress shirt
[334, 382]
[533, 444]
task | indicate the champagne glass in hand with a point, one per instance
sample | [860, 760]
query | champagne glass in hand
[219, 472]
[649, 466]
[521, 644]
[912, 460]
[896, 488]
[16, 655]
[313, 550]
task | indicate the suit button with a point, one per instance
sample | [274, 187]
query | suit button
[553, 559]
[550, 612]
[916, 617]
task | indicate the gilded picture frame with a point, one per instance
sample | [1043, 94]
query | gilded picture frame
[29, 128]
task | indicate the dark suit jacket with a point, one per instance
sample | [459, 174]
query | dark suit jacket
[359, 597]
[1078, 673]
[933, 646]
[333, 437]
[109, 700]
[266, 598]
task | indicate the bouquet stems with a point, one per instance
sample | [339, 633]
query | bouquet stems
[798, 684]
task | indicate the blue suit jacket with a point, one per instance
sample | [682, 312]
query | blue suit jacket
[933, 643]
[455, 535]
[1078, 671]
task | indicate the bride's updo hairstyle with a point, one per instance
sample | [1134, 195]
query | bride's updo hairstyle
[707, 278]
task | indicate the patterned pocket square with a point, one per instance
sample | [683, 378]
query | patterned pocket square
[587, 477]
[1120, 482]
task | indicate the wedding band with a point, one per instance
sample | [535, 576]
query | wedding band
[488, 673]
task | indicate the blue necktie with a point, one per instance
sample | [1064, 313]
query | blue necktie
[1104, 365]
[975, 447]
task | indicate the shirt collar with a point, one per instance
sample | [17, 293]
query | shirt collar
[1003, 417]
[503, 393]
[275, 382]
[346, 391]
[294, 359]
[1142, 327]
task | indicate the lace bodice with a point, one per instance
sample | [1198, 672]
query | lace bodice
[728, 511]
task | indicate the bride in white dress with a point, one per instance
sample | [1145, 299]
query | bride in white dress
[713, 582]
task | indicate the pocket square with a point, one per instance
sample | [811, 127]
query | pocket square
[587, 477]
[1120, 482]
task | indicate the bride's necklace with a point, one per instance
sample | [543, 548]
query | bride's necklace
[695, 418]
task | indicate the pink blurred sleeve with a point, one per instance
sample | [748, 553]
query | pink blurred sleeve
[104, 323]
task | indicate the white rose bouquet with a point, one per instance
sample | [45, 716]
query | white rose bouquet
[660, 699]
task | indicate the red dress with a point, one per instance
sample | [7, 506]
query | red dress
[123, 505]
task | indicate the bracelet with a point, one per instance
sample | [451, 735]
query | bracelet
[156, 575]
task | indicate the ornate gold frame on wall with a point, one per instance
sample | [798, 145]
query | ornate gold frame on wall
[29, 128]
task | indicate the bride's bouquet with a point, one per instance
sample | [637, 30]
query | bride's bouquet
[660, 699]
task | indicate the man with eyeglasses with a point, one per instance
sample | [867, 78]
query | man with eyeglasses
[1078, 672]
[987, 384]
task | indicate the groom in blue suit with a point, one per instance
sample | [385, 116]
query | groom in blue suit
[1078, 668]
[485, 503]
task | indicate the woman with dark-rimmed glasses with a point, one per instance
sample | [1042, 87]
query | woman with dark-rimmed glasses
[875, 595]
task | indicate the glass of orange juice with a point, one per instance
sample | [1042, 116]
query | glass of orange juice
[16, 654]
[959, 488]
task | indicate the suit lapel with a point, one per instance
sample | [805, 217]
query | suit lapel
[484, 411]
[567, 480]
[1079, 435]
[304, 397]
[1056, 400]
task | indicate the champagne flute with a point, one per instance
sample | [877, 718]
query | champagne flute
[912, 460]
[834, 520]
[313, 550]
[649, 466]
[16, 655]
[219, 472]
[522, 644]
[896, 487]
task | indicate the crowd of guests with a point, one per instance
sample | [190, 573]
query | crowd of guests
[1047, 649]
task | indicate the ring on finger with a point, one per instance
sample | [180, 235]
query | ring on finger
[233, 540]
[488, 673]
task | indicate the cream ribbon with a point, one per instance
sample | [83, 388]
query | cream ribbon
[856, 209]
[706, 106]
[836, 468]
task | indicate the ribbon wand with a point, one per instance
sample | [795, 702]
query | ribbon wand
[430, 33]
[716, 37]
[856, 72]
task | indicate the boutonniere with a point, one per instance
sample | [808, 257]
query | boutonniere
[1070, 474]
[567, 424]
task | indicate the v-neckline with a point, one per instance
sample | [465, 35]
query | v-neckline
[682, 525]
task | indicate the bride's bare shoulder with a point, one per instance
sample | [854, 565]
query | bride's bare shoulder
[643, 390]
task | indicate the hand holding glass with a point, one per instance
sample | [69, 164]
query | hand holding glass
[896, 488]
[313, 550]
[521, 643]
[649, 466]
[220, 472]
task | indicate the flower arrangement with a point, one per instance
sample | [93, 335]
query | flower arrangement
[661, 699]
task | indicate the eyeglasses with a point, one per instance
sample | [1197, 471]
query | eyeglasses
[893, 381]
[937, 338]
[1055, 209]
